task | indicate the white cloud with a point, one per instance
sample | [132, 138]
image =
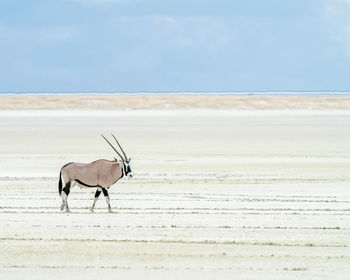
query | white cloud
[338, 15]
[32, 37]
[163, 19]
[190, 31]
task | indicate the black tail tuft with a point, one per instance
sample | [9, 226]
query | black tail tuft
[60, 185]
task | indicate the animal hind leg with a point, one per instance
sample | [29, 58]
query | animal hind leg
[105, 192]
[63, 203]
[97, 194]
[64, 198]
[65, 193]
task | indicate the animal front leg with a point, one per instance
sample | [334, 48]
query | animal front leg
[105, 192]
[97, 194]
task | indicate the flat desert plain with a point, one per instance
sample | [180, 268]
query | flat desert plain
[216, 194]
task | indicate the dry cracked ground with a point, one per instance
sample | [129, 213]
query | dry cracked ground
[215, 195]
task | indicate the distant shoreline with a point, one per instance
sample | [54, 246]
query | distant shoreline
[234, 93]
[171, 102]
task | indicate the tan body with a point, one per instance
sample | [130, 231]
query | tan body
[100, 174]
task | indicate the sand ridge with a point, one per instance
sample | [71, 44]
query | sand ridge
[178, 101]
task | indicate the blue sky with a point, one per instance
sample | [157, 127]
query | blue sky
[174, 45]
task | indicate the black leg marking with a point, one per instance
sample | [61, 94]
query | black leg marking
[97, 193]
[105, 192]
[66, 189]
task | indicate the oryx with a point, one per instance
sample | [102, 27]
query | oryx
[100, 174]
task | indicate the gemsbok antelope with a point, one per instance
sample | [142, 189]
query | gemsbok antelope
[100, 174]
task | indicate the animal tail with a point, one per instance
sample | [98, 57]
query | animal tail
[60, 185]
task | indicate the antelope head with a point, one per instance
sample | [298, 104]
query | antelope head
[125, 160]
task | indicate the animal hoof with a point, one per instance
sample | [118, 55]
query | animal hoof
[91, 209]
[110, 211]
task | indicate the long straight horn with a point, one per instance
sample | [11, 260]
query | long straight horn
[113, 148]
[126, 158]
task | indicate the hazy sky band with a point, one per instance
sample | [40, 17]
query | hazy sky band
[172, 46]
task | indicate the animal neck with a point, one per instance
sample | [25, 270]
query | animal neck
[121, 165]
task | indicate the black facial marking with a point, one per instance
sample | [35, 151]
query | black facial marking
[105, 192]
[97, 193]
[127, 168]
[124, 168]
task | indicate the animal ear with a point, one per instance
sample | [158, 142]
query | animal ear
[129, 159]
[115, 159]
